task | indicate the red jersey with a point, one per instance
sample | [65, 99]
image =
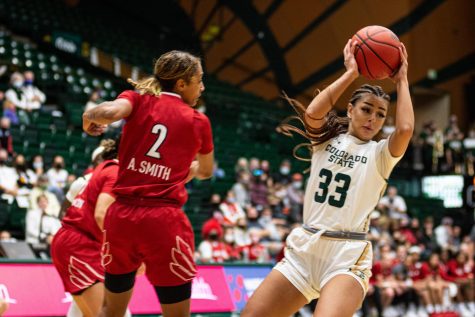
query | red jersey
[459, 270]
[379, 270]
[80, 215]
[160, 139]
[418, 271]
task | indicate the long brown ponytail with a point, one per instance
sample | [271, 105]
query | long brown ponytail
[333, 126]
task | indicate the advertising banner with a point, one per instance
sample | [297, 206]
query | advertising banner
[37, 290]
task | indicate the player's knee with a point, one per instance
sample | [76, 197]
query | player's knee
[119, 283]
[173, 294]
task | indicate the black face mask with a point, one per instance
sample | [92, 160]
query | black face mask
[58, 165]
[21, 167]
[213, 236]
[2, 161]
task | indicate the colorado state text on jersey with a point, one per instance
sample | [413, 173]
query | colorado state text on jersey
[147, 168]
[344, 158]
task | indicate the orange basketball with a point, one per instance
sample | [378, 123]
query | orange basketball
[377, 52]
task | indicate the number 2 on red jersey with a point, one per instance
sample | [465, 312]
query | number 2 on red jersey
[161, 130]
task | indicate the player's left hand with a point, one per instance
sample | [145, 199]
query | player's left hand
[401, 74]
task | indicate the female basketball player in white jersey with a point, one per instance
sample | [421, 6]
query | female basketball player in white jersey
[329, 257]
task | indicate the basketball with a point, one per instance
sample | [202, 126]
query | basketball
[377, 52]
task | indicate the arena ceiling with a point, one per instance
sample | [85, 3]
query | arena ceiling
[266, 46]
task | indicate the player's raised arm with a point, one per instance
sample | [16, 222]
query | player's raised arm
[95, 120]
[325, 100]
[400, 138]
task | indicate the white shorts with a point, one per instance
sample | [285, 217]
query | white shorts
[311, 269]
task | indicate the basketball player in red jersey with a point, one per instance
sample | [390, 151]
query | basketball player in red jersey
[162, 136]
[76, 248]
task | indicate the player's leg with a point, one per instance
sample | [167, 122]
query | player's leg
[90, 301]
[174, 300]
[118, 291]
[276, 296]
[340, 297]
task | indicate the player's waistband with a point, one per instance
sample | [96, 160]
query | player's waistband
[346, 235]
[147, 201]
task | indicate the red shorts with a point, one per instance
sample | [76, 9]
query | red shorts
[161, 237]
[77, 259]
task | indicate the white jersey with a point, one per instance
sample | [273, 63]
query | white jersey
[348, 177]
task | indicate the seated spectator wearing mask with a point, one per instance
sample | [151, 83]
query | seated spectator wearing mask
[57, 177]
[35, 98]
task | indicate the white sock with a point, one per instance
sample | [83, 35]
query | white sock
[74, 310]
[438, 308]
[471, 306]
[430, 308]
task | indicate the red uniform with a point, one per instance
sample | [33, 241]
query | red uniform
[76, 248]
[418, 271]
[458, 270]
[160, 139]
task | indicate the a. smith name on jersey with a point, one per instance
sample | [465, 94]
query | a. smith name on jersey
[152, 169]
[344, 158]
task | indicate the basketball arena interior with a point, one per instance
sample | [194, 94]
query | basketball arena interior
[59, 58]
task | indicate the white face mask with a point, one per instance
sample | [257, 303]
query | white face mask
[297, 185]
[284, 170]
[229, 238]
[18, 83]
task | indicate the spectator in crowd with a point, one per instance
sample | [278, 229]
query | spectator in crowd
[57, 177]
[94, 100]
[26, 177]
[218, 172]
[283, 175]
[17, 97]
[453, 146]
[254, 251]
[9, 111]
[6, 236]
[295, 196]
[231, 248]
[258, 190]
[444, 233]
[6, 139]
[41, 189]
[212, 248]
[231, 210]
[241, 234]
[252, 217]
[41, 227]
[254, 165]
[15, 93]
[385, 280]
[35, 98]
[8, 178]
[419, 272]
[37, 165]
[265, 167]
[460, 271]
[393, 204]
[240, 189]
[242, 165]
[436, 284]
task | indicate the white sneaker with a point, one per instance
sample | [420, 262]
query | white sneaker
[421, 312]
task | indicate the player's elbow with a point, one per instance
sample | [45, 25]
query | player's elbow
[406, 129]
